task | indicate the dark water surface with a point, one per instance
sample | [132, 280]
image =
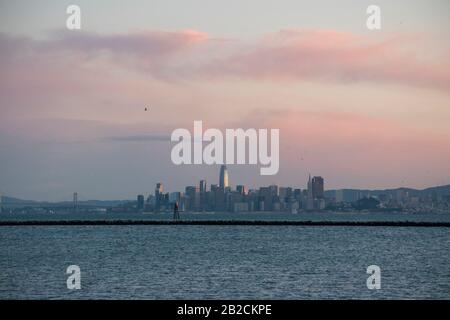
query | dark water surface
[224, 262]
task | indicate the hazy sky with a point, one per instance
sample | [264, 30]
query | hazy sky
[364, 109]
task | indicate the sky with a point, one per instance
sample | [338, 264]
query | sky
[362, 108]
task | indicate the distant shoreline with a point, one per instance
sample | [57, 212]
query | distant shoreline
[224, 223]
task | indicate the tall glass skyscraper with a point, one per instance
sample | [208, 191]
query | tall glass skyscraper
[223, 181]
[318, 188]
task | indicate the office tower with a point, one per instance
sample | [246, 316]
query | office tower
[203, 202]
[159, 188]
[265, 199]
[241, 189]
[223, 181]
[236, 202]
[159, 195]
[218, 195]
[285, 192]
[274, 190]
[165, 200]
[75, 201]
[197, 199]
[212, 197]
[298, 194]
[202, 186]
[309, 196]
[189, 197]
[286, 196]
[192, 198]
[317, 188]
[140, 202]
[253, 200]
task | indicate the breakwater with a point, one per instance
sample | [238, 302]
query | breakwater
[222, 223]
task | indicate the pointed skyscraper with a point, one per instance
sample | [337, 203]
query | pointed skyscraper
[310, 197]
[223, 180]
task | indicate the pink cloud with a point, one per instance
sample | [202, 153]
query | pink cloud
[328, 55]
[151, 52]
[288, 55]
[142, 43]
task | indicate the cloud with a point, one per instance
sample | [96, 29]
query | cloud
[140, 44]
[139, 138]
[287, 55]
[156, 53]
[328, 55]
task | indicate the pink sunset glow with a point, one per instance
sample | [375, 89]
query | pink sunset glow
[365, 111]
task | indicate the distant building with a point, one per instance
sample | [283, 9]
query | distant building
[318, 188]
[202, 186]
[274, 190]
[265, 199]
[203, 197]
[285, 193]
[175, 197]
[140, 202]
[240, 207]
[223, 179]
[192, 198]
[319, 204]
[218, 196]
[159, 196]
[241, 189]
[159, 189]
[347, 195]
[309, 196]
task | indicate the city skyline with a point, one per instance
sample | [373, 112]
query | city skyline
[224, 182]
[274, 198]
[313, 184]
[221, 197]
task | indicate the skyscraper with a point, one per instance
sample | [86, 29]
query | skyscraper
[158, 195]
[140, 202]
[310, 197]
[317, 188]
[223, 181]
[202, 186]
[203, 202]
[241, 189]
[192, 198]
[159, 188]
[265, 199]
